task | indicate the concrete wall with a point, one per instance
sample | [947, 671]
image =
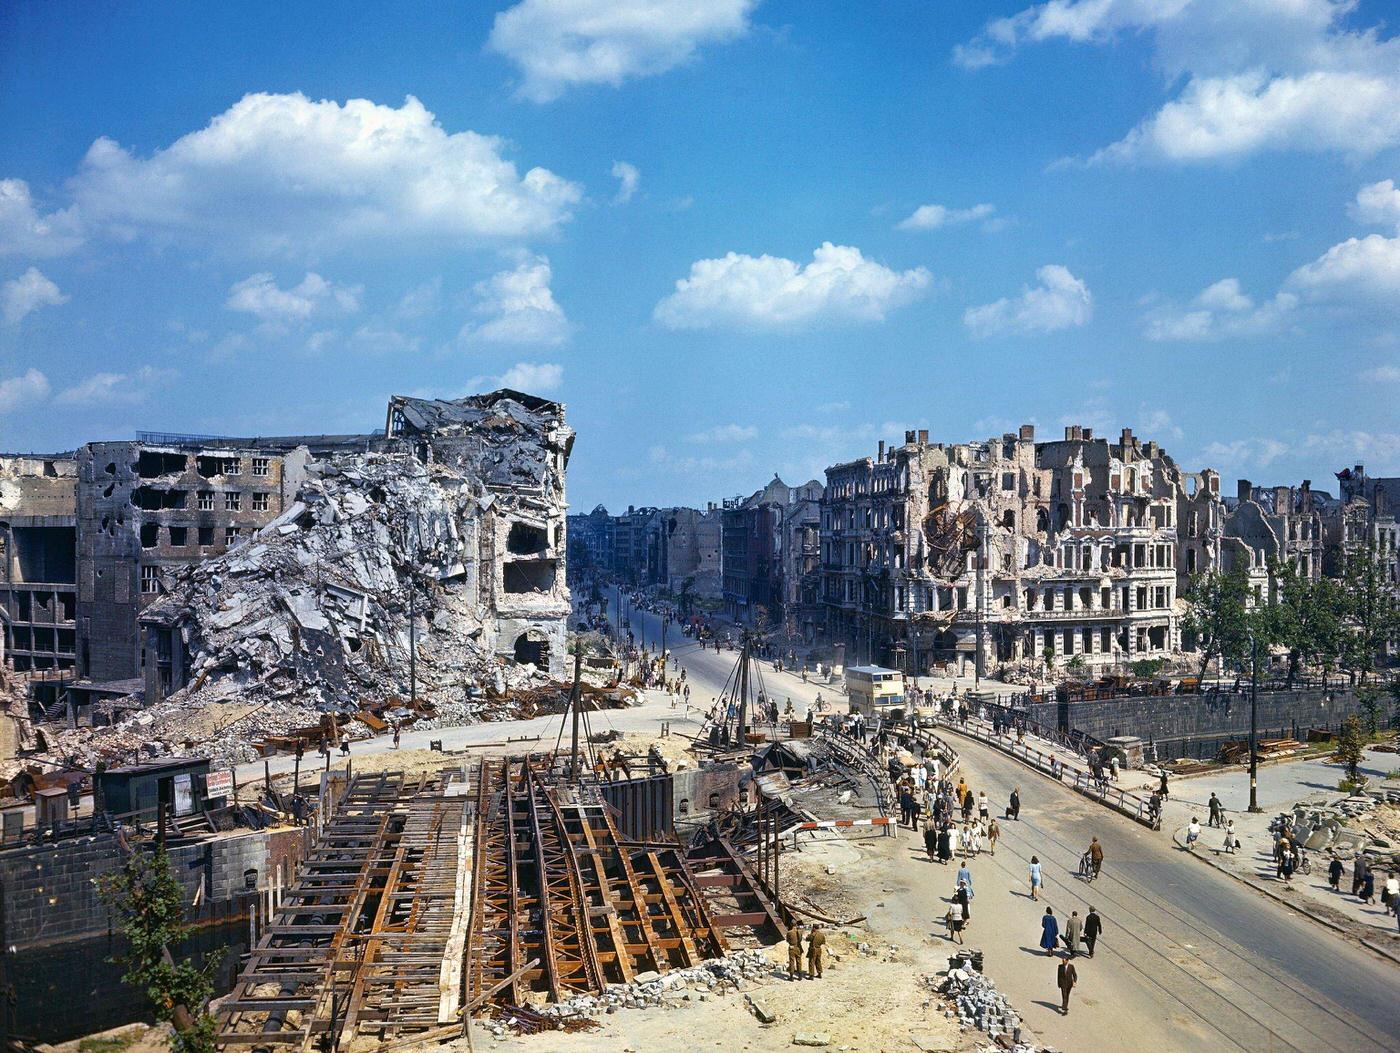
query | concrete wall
[1193, 725]
[51, 892]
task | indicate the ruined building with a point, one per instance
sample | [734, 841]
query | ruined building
[38, 568]
[1067, 553]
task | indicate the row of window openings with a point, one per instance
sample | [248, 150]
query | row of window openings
[179, 536]
[1071, 558]
[151, 500]
[1156, 598]
[152, 464]
[1083, 641]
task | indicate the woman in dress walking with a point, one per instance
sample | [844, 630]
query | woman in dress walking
[1036, 879]
[1049, 931]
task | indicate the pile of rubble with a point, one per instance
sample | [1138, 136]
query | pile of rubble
[976, 1003]
[732, 973]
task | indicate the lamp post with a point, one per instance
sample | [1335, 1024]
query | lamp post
[1254, 723]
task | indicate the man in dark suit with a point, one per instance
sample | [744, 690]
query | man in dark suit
[1066, 978]
[1093, 925]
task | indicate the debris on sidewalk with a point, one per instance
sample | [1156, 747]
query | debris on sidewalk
[976, 1003]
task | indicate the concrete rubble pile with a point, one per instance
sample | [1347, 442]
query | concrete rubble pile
[721, 976]
[976, 1003]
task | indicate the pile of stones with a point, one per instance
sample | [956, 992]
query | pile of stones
[721, 976]
[976, 1003]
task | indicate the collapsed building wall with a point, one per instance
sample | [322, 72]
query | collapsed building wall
[441, 548]
[37, 561]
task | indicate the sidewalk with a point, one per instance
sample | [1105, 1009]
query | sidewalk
[1308, 894]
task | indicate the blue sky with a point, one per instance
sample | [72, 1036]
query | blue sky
[735, 237]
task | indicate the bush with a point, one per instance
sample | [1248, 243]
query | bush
[1148, 667]
[1353, 785]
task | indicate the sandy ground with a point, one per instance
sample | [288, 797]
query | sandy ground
[870, 1000]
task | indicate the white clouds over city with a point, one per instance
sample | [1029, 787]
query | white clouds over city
[27, 231]
[22, 296]
[1059, 301]
[285, 175]
[935, 217]
[562, 44]
[1219, 311]
[838, 286]
[259, 295]
[628, 177]
[518, 307]
[1255, 75]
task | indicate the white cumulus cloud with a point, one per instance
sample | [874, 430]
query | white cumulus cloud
[259, 295]
[519, 307]
[1378, 204]
[1060, 301]
[533, 378]
[628, 177]
[561, 44]
[771, 292]
[25, 231]
[1369, 267]
[23, 391]
[282, 174]
[113, 388]
[1219, 311]
[1253, 75]
[26, 294]
[932, 217]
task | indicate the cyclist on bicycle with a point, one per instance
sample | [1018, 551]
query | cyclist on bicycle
[1095, 855]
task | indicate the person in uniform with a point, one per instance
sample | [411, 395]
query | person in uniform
[794, 942]
[816, 947]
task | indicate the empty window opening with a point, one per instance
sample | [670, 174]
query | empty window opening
[230, 535]
[261, 466]
[1008, 519]
[260, 502]
[233, 501]
[153, 500]
[532, 648]
[210, 466]
[179, 536]
[151, 464]
[531, 576]
[206, 536]
[526, 540]
[150, 535]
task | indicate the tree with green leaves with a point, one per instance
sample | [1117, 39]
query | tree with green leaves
[1351, 747]
[1304, 617]
[1368, 696]
[1217, 615]
[1372, 623]
[148, 901]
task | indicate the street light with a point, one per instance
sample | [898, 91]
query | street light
[1253, 723]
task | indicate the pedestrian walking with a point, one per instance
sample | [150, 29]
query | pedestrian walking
[1368, 887]
[1334, 872]
[1215, 811]
[931, 840]
[1359, 870]
[1074, 930]
[1093, 925]
[965, 878]
[816, 947]
[1065, 978]
[945, 844]
[345, 745]
[1193, 834]
[1036, 879]
[397, 733]
[1049, 931]
[1390, 896]
[982, 806]
[1013, 806]
[794, 942]
[993, 833]
[962, 902]
[1230, 843]
[953, 920]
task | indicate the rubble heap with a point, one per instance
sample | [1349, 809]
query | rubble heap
[734, 972]
[977, 1003]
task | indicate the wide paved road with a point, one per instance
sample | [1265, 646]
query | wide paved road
[1190, 958]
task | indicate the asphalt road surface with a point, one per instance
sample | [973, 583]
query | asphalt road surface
[1190, 960]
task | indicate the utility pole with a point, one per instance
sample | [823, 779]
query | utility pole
[575, 696]
[1254, 723]
[981, 560]
[743, 686]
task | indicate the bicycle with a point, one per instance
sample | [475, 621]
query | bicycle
[1087, 871]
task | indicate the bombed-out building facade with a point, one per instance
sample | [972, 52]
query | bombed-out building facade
[91, 541]
[1015, 554]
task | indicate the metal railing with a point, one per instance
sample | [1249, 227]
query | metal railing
[1129, 804]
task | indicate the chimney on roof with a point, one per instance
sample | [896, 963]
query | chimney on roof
[908, 438]
[1028, 433]
[1088, 434]
[1244, 489]
[923, 436]
[881, 458]
[1152, 449]
[1126, 439]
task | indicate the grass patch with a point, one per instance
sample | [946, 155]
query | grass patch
[109, 1043]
